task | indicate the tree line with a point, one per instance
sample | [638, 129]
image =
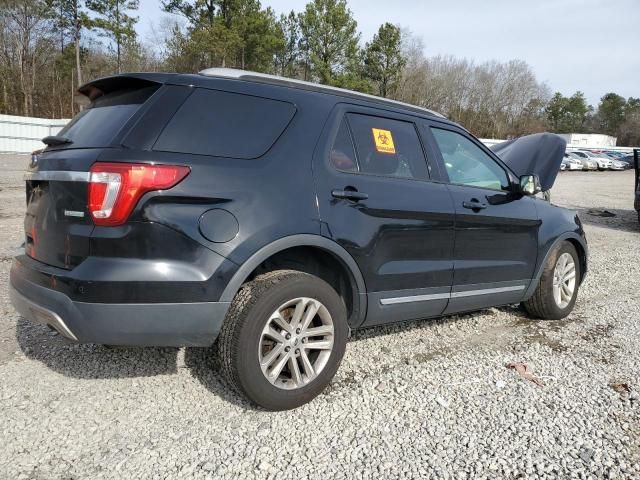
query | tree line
[50, 47]
[614, 116]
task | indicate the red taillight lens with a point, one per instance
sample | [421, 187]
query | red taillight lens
[115, 188]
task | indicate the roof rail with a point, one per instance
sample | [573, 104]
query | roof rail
[295, 83]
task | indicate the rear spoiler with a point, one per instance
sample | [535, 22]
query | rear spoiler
[104, 85]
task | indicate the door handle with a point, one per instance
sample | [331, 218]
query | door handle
[474, 204]
[353, 195]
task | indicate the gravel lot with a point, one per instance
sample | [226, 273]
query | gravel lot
[428, 399]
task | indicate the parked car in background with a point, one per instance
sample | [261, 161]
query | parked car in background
[165, 214]
[587, 163]
[618, 165]
[628, 160]
[572, 163]
[614, 154]
[604, 163]
[563, 166]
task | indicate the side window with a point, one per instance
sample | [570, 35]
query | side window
[466, 163]
[224, 124]
[343, 155]
[384, 147]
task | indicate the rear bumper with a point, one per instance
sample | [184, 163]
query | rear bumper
[144, 324]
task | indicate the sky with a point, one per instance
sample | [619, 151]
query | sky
[587, 45]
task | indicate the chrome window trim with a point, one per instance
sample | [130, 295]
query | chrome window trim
[58, 175]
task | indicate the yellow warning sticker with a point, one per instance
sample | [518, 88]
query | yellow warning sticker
[383, 140]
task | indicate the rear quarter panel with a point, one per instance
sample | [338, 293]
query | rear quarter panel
[271, 197]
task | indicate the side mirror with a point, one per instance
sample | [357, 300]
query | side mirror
[530, 185]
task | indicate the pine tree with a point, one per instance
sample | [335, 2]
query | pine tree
[331, 41]
[288, 53]
[114, 22]
[383, 59]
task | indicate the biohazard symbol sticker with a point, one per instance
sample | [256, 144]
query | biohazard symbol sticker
[383, 140]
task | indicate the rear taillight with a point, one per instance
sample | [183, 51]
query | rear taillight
[115, 188]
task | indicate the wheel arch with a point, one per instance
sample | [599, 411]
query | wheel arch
[305, 241]
[581, 247]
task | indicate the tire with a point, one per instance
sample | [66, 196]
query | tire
[243, 343]
[543, 303]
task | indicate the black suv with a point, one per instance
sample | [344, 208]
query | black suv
[272, 217]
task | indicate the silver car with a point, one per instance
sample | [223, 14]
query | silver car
[586, 162]
[572, 163]
[604, 163]
[618, 165]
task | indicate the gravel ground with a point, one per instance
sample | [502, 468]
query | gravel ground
[428, 399]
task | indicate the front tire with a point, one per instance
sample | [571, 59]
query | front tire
[557, 290]
[283, 339]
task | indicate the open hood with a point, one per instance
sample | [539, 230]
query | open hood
[538, 154]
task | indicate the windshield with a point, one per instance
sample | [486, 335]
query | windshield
[98, 124]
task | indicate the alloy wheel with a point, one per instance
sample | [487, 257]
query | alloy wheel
[564, 280]
[296, 343]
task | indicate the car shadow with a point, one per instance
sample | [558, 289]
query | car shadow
[204, 366]
[92, 361]
[616, 219]
[405, 326]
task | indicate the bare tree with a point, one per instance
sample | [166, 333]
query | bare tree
[490, 99]
[25, 30]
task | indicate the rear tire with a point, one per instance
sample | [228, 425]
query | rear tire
[280, 366]
[556, 294]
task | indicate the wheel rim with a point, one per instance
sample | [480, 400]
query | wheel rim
[564, 280]
[296, 343]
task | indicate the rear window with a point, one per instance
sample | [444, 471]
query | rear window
[387, 147]
[224, 124]
[98, 124]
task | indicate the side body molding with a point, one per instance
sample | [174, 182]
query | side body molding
[304, 240]
[543, 259]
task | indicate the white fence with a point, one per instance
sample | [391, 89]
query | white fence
[23, 134]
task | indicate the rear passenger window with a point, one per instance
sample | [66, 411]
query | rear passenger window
[387, 147]
[224, 124]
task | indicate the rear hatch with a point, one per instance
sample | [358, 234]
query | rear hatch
[57, 223]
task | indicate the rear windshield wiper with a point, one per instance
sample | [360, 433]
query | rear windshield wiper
[52, 140]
